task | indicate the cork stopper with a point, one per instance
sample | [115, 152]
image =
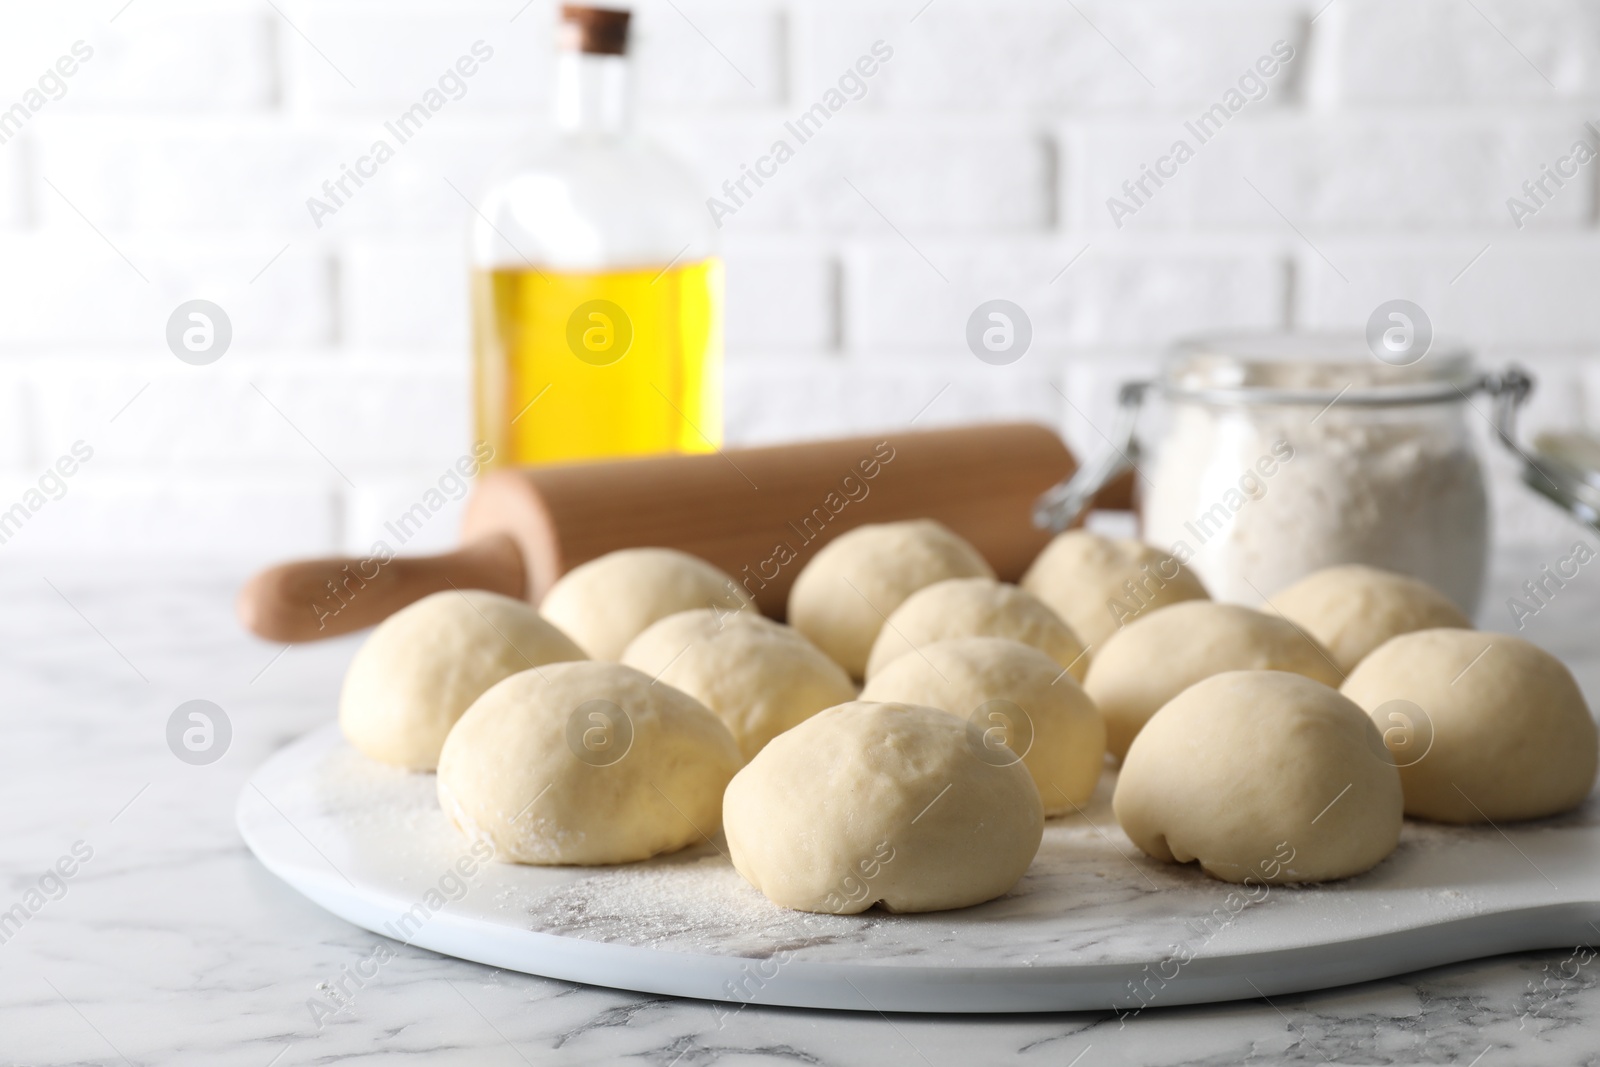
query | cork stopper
[600, 31]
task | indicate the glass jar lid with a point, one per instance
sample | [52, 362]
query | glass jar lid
[1313, 368]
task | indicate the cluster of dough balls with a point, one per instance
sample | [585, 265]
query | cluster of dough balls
[1287, 745]
[607, 726]
[1483, 727]
[547, 754]
[930, 791]
[856, 581]
[646, 705]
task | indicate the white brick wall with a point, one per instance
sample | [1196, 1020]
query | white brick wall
[176, 163]
[1443, 52]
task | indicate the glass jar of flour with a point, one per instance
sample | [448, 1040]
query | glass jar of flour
[1281, 455]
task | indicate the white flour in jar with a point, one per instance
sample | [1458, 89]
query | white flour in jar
[1398, 488]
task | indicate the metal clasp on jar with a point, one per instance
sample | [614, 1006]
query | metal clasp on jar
[1060, 506]
[1559, 466]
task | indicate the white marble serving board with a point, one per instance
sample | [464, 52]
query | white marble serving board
[1094, 924]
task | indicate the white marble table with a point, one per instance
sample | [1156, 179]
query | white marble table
[171, 945]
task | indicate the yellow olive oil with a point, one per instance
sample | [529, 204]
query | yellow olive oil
[575, 365]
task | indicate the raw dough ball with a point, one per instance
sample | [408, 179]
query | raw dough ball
[1262, 776]
[842, 596]
[1483, 726]
[1152, 660]
[976, 607]
[423, 665]
[607, 602]
[871, 803]
[1011, 695]
[759, 676]
[1353, 609]
[1086, 579]
[586, 763]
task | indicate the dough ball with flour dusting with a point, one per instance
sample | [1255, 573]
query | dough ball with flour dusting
[976, 607]
[586, 763]
[840, 599]
[1352, 609]
[759, 676]
[1485, 727]
[424, 665]
[1262, 777]
[1018, 703]
[870, 803]
[1154, 658]
[1099, 584]
[607, 602]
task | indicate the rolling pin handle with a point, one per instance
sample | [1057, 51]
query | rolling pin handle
[313, 599]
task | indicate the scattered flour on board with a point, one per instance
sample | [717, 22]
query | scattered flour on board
[361, 794]
[1090, 895]
[697, 901]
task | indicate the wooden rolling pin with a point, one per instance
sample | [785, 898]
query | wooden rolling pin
[758, 513]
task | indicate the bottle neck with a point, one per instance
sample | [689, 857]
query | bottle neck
[592, 93]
